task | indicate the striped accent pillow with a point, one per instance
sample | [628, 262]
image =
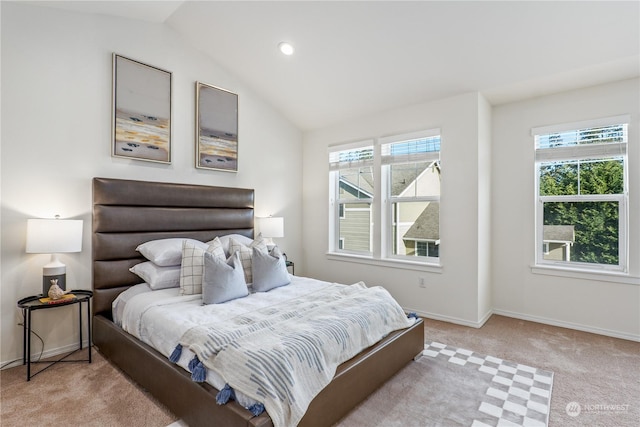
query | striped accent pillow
[192, 266]
[245, 253]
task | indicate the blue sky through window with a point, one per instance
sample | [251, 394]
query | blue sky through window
[596, 135]
[422, 145]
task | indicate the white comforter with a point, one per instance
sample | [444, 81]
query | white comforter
[161, 318]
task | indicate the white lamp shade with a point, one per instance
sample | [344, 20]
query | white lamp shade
[272, 226]
[51, 236]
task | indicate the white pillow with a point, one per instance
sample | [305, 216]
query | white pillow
[245, 253]
[225, 240]
[166, 252]
[192, 266]
[269, 270]
[223, 280]
[157, 277]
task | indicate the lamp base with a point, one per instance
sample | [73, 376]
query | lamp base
[46, 283]
[269, 242]
[53, 271]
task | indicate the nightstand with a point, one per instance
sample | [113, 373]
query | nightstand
[32, 303]
[292, 265]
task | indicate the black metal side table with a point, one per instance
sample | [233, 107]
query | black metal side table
[292, 265]
[33, 303]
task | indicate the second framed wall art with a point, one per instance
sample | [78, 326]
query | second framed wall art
[216, 128]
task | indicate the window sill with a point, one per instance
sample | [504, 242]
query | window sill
[600, 275]
[387, 262]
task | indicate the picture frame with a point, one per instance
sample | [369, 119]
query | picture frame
[216, 128]
[141, 113]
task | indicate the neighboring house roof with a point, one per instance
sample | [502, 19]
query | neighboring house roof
[366, 184]
[558, 233]
[427, 225]
[353, 189]
[404, 177]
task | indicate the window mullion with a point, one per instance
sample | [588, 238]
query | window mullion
[378, 217]
[583, 198]
[414, 199]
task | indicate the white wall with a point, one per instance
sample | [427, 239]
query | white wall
[485, 168]
[56, 131]
[452, 294]
[487, 214]
[595, 305]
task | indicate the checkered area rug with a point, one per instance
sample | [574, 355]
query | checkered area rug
[518, 395]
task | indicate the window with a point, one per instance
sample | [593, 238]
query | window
[411, 172]
[405, 171]
[351, 171]
[581, 214]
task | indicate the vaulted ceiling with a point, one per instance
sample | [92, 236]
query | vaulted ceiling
[357, 58]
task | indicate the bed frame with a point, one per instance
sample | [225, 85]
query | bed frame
[127, 213]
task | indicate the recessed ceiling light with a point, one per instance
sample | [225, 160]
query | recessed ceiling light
[286, 48]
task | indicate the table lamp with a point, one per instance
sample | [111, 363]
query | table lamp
[54, 236]
[269, 227]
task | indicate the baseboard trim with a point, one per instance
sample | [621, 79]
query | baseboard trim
[486, 317]
[568, 325]
[451, 319]
[45, 354]
[61, 350]
[530, 318]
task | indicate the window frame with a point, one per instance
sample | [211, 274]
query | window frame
[381, 204]
[622, 199]
[389, 199]
[336, 242]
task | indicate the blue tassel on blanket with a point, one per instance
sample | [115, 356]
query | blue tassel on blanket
[412, 315]
[198, 371]
[225, 395]
[199, 374]
[175, 356]
[256, 409]
[193, 363]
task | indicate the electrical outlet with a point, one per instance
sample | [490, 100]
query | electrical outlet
[421, 282]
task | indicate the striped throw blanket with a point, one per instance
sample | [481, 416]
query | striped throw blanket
[284, 355]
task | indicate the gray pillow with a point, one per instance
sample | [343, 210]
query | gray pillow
[269, 270]
[222, 280]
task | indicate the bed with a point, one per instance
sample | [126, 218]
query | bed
[127, 213]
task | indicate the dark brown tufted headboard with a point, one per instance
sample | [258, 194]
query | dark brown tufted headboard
[127, 213]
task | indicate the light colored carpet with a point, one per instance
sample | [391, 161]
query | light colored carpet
[77, 394]
[600, 374]
[452, 386]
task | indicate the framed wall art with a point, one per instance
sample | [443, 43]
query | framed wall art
[141, 111]
[216, 128]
